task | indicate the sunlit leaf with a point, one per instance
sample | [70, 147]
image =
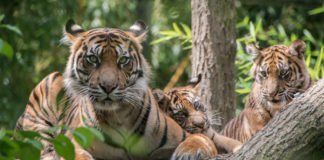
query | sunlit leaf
[252, 31]
[176, 28]
[316, 11]
[243, 91]
[163, 39]
[6, 49]
[186, 29]
[168, 33]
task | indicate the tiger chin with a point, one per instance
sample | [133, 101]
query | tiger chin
[280, 74]
[185, 107]
[106, 84]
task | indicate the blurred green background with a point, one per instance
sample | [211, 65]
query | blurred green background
[30, 33]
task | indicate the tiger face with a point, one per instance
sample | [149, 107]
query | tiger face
[183, 105]
[280, 72]
[106, 65]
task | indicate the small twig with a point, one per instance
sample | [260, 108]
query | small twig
[180, 70]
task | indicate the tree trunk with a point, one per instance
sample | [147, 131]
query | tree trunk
[295, 133]
[213, 54]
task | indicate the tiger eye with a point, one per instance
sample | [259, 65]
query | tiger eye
[284, 73]
[263, 73]
[123, 60]
[92, 59]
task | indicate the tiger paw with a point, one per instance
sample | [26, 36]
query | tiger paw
[195, 146]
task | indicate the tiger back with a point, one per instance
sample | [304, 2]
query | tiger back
[279, 74]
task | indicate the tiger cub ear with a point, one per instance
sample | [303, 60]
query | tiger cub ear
[195, 81]
[162, 99]
[72, 31]
[297, 48]
[253, 50]
[139, 30]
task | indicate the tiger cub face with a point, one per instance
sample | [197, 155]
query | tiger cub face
[106, 65]
[279, 72]
[183, 105]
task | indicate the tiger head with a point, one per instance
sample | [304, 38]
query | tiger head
[106, 64]
[279, 72]
[184, 106]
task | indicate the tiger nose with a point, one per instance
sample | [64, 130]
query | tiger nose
[108, 88]
[198, 122]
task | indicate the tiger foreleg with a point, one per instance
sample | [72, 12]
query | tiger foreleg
[195, 146]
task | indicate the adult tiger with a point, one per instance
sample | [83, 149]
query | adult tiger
[280, 74]
[185, 107]
[106, 82]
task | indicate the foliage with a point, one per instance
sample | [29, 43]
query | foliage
[255, 31]
[37, 51]
[5, 47]
[27, 145]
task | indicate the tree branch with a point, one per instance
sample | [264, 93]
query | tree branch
[295, 133]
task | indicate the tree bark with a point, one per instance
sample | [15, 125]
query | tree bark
[295, 133]
[213, 54]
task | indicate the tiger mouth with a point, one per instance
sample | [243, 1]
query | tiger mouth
[195, 129]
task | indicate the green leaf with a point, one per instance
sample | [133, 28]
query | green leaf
[2, 133]
[163, 39]
[243, 90]
[28, 151]
[309, 36]
[27, 134]
[187, 30]
[97, 134]
[176, 28]
[168, 33]
[11, 28]
[83, 136]
[316, 11]
[35, 143]
[64, 147]
[1, 17]
[6, 49]
[252, 31]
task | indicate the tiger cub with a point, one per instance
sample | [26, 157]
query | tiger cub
[183, 105]
[279, 74]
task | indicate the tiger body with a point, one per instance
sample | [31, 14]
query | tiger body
[184, 106]
[106, 85]
[280, 74]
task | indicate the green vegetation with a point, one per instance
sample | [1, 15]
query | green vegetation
[30, 32]
[26, 145]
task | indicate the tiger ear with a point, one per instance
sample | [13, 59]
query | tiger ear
[195, 81]
[72, 31]
[139, 30]
[253, 50]
[161, 98]
[297, 48]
